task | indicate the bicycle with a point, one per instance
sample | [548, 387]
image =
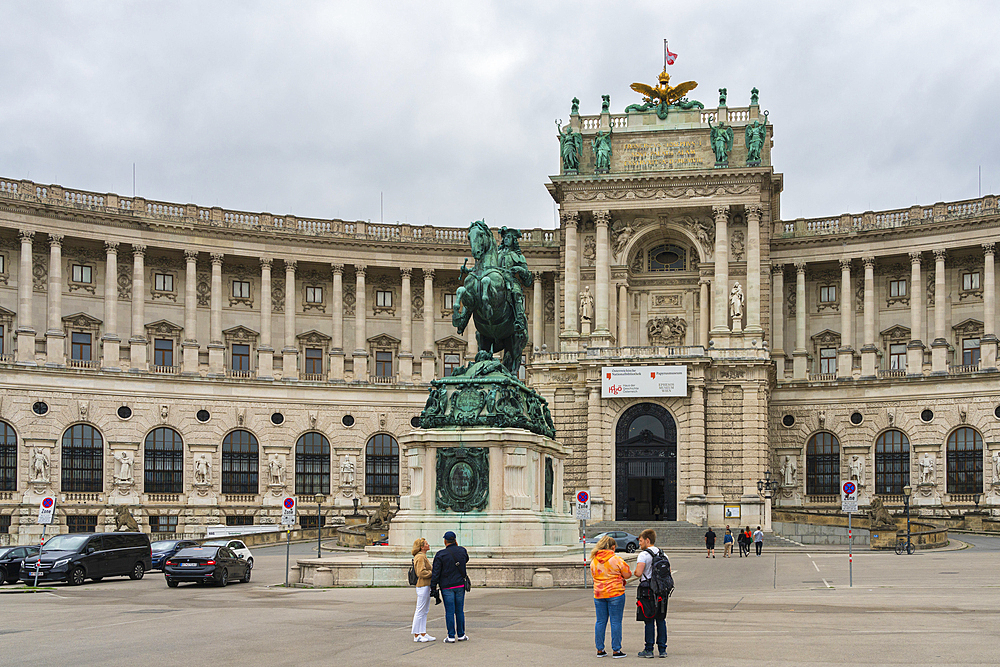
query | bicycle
[905, 546]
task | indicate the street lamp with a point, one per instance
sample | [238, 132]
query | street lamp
[906, 504]
[764, 488]
[319, 521]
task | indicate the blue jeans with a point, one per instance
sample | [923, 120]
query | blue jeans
[609, 608]
[454, 610]
[660, 627]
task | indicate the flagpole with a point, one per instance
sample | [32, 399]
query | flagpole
[664, 55]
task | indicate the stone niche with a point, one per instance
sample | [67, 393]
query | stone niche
[499, 490]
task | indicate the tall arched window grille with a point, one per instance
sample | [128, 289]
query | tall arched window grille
[82, 459]
[892, 463]
[382, 466]
[8, 457]
[965, 461]
[312, 464]
[823, 465]
[163, 459]
[240, 463]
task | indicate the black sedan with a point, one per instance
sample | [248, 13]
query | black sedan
[10, 562]
[217, 565]
[164, 549]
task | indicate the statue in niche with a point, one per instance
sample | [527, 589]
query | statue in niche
[736, 302]
[722, 142]
[347, 472]
[202, 470]
[755, 134]
[621, 232]
[124, 462]
[601, 145]
[570, 147]
[39, 469]
[858, 469]
[586, 305]
[927, 466]
[276, 470]
[788, 469]
[996, 466]
[739, 245]
[590, 249]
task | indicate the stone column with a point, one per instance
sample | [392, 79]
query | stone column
[55, 337]
[216, 346]
[406, 328]
[537, 316]
[720, 318]
[988, 343]
[623, 311]
[869, 351]
[704, 311]
[572, 277]
[290, 352]
[754, 213]
[25, 286]
[845, 355]
[800, 355]
[602, 278]
[337, 343]
[939, 347]
[613, 308]
[915, 348]
[360, 322]
[138, 343]
[110, 341]
[778, 319]
[697, 434]
[190, 344]
[265, 351]
[428, 360]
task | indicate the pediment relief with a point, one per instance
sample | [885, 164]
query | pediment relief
[826, 337]
[81, 320]
[896, 333]
[313, 338]
[383, 340]
[240, 334]
[164, 328]
[451, 344]
[968, 326]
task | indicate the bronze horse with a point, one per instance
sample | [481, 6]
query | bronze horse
[485, 297]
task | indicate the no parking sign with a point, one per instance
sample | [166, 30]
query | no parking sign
[583, 505]
[849, 497]
[46, 509]
[288, 512]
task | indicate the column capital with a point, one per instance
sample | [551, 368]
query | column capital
[111, 247]
[915, 257]
[778, 268]
[429, 273]
[754, 211]
[721, 213]
[360, 270]
[800, 268]
[26, 235]
[602, 218]
[56, 240]
[265, 263]
[406, 272]
[291, 265]
[940, 254]
[217, 258]
[869, 262]
[845, 263]
[569, 218]
[191, 255]
[704, 281]
[138, 250]
[337, 269]
[988, 248]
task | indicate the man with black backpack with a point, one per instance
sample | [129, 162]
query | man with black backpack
[655, 586]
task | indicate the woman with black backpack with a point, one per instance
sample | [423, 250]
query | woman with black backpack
[421, 573]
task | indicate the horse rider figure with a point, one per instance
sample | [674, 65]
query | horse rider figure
[512, 259]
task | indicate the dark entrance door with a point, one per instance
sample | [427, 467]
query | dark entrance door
[646, 464]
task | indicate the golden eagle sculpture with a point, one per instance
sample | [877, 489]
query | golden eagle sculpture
[663, 96]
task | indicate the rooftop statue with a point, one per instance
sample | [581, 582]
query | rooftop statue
[722, 143]
[663, 96]
[601, 145]
[756, 134]
[570, 147]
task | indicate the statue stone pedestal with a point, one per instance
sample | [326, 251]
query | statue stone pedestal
[500, 490]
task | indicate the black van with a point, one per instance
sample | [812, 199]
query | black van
[76, 557]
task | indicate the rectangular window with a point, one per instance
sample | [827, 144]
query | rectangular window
[383, 364]
[78, 523]
[163, 352]
[449, 301]
[2, 332]
[970, 280]
[522, 370]
[451, 362]
[3, 269]
[163, 524]
[897, 357]
[163, 282]
[314, 361]
[241, 289]
[81, 274]
[239, 520]
[897, 288]
[828, 360]
[314, 295]
[80, 346]
[970, 351]
[828, 293]
[309, 521]
[4, 523]
[383, 299]
[241, 358]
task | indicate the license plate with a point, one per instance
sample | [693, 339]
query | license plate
[189, 564]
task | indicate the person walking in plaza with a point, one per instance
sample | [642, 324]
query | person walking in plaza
[656, 628]
[727, 543]
[747, 541]
[758, 539]
[609, 573]
[710, 543]
[422, 567]
[449, 575]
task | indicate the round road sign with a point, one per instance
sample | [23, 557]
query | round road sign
[289, 503]
[849, 488]
[582, 497]
[47, 503]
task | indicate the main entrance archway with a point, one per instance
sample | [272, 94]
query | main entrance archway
[646, 464]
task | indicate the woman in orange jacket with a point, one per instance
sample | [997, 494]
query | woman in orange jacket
[610, 573]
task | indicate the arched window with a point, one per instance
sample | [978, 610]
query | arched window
[382, 466]
[312, 464]
[667, 258]
[82, 459]
[164, 461]
[8, 457]
[823, 465]
[965, 461]
[892, 463]
[239, 463]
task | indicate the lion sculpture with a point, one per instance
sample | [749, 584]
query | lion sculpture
[382, 517]
[124, 519]
[878, 515]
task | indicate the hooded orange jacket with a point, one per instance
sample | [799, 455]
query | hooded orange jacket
[609, 572]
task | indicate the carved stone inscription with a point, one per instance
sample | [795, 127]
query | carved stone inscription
[658, 155]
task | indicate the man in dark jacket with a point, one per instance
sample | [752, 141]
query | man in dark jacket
[448, 575]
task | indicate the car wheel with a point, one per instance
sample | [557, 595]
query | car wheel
[171, 584]
[76, 576]
[224, 579]
[250, 563]
[246, 577]
[631, 547]
[96, 578]
[137, 571]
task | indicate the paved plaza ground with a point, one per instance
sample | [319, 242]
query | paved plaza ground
[787, 607]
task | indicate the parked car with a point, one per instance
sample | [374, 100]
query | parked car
[10, 562]
[164, 549]
[236, 546]
[76, 557]
[206, 564]
[625, 541]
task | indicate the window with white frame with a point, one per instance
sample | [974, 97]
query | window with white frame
[449, 301]
[828, 294]
[970, 280]
[163, 282]
[314, 294]
[897, 288]
[241, 289]
[383, 299]
[82, 273]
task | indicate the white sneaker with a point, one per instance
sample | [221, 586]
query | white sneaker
[426, 638]
[416, 638]
[463, 638]
[449, 640]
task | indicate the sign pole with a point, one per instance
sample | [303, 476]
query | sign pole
[288, 550]
[38, 563]
[288, 520]
[850, 553]
[849, 504]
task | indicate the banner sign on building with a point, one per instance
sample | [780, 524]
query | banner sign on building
[643, 381]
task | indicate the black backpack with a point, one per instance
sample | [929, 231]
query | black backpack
[411, 576]
[661, 582]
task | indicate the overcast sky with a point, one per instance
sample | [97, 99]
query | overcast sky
[446, 109]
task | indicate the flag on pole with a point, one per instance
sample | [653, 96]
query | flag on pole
[668, 56]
